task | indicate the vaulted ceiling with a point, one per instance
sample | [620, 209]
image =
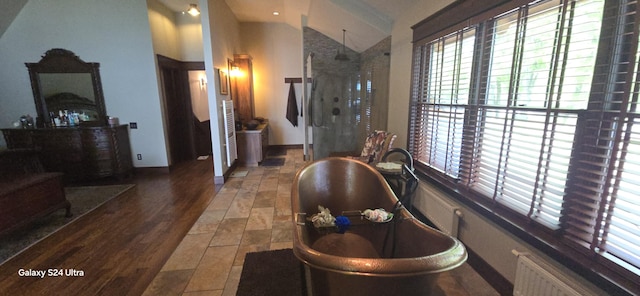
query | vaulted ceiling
[10, 9]
[366, 21]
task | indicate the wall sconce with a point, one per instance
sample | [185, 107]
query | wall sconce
[203, 82]
[235, 70]
[193, 10]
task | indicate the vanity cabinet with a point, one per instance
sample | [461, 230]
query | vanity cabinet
[252, 145]
[81, 153]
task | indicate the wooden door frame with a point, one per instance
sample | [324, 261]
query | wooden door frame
[182, 68]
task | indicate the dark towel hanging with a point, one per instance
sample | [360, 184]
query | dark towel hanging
[292, 106]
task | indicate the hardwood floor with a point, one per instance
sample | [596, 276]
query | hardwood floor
[121, 246]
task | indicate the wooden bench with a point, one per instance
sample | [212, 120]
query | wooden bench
[26, 191]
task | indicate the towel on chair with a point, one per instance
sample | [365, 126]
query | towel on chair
[292, 106]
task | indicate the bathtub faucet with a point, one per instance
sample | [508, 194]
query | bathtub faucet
[408, 176]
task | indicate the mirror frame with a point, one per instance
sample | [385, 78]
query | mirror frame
[58, 60]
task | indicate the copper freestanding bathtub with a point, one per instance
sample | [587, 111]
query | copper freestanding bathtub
[399, 257]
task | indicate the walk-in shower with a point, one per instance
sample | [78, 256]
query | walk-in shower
[348, 97]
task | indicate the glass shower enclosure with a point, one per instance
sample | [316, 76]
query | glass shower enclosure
[347, 94]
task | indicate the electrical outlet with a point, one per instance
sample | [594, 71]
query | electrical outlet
[133, 125]
[139, 156]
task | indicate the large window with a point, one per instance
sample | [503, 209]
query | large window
[534, 111]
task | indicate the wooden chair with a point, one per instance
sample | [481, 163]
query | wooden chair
[375, 146]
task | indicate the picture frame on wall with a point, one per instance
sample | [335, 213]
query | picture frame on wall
[223, 80]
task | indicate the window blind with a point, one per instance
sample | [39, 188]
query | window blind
[443, 99]
[530, 105]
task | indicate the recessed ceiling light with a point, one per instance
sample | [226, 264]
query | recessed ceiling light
[276, 13]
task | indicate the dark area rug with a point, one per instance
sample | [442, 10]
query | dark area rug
[270, 273]
[83, 200]
[279, 272]
[272, 162]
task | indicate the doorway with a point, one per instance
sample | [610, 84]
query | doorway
[187, 136]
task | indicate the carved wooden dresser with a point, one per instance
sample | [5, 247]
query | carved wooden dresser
[81, 153]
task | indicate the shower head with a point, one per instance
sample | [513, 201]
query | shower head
[342, 56]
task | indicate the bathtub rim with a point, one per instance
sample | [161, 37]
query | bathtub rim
[379, 267]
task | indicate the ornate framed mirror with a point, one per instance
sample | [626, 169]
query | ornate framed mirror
[62, 82]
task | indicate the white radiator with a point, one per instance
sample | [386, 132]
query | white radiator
[433, 205]
[534, 278]
[230, 131]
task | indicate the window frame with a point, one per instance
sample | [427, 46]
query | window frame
[605, 274]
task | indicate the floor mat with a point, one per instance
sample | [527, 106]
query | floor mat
[276, 272]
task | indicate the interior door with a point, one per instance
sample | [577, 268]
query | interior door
[178, 113]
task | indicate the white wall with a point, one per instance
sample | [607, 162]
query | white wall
[190, 37]
[115, 34]
[276, 49]
[490, 241]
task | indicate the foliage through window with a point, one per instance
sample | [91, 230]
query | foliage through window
[535, 110]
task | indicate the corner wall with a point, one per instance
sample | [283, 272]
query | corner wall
[276, 49]
[221, 39]
[164, 30]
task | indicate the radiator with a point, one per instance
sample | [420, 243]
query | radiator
[229, 132]
[534, 278]
[433, 205]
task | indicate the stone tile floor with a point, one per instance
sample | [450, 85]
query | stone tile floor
[253, 213]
